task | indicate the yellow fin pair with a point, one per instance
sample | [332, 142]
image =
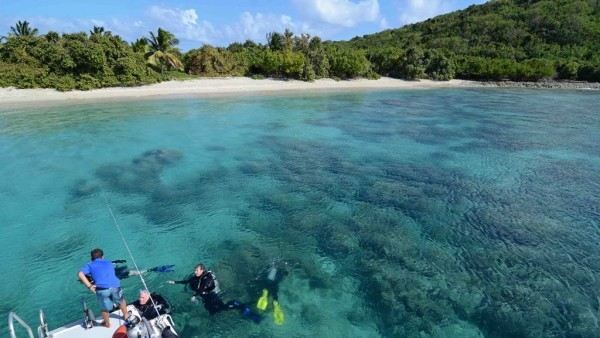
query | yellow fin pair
[263, 303]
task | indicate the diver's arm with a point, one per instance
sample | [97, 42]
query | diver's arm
[136, 272]
[185, 281]
[86, 282]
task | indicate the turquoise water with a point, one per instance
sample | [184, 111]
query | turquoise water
[444, 213]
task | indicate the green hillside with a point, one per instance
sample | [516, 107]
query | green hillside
[502, 39]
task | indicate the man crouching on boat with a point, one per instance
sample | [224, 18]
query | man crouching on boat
[107, 286]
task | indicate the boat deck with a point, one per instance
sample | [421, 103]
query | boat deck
[76, 330]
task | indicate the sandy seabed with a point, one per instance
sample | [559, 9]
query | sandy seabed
[216, 86]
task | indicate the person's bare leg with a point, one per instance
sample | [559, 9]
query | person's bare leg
[106, 319]
[123, 306]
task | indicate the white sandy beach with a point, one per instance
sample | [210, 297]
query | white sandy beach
[215, 86]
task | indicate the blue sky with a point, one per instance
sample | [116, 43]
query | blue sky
[220, 22]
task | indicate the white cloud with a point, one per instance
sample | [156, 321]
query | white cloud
[419, 10]
[176, 16]
[345, 13]
[383, 23]
[183, 23]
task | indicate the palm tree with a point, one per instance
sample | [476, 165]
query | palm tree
[97, 30]
[162, 50]
[22, 29]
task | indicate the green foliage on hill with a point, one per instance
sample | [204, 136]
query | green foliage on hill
[284, 56]
[521, 40]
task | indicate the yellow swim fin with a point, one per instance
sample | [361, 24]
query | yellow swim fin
[278, 316]
[263, 301]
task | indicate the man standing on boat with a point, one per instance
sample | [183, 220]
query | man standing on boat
[107, 286]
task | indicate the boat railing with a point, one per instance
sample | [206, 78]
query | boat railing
[11, 325]
[43, 328]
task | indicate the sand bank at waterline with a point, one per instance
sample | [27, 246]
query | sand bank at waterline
[217, 86]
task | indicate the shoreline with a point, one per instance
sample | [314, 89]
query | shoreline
[208, 87]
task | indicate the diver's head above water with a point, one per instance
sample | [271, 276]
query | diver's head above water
[199, 270]
[144, 296]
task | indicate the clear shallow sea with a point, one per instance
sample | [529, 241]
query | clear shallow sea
[445, 213]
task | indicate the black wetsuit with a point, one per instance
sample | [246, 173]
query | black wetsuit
[148, 311]
[264, 282]
[204, 286]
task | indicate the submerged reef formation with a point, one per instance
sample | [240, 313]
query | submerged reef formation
[482, 230]
[435, 249]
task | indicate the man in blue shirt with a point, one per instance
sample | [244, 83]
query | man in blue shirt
[107, 286]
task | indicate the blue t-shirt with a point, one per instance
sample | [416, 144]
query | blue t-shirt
[103, 273]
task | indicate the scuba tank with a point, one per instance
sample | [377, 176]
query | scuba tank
[272, 273]
[217, 289]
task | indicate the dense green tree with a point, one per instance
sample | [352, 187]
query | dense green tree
[589, 72]
[567, 70]
[347, 63]
[317, 57]
[412, 64]
[275, 41]
[302, 43]
[53, 37]
[211, 61]
[250, 44]
[439, 66]
[386, 60]
[288, 40]
[140, 45]
[235, 47]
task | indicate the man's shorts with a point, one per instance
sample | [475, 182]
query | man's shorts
[107, 298]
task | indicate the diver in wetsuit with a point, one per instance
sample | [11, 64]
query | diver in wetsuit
[270, 278]
[205, 285]
[267, 284]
